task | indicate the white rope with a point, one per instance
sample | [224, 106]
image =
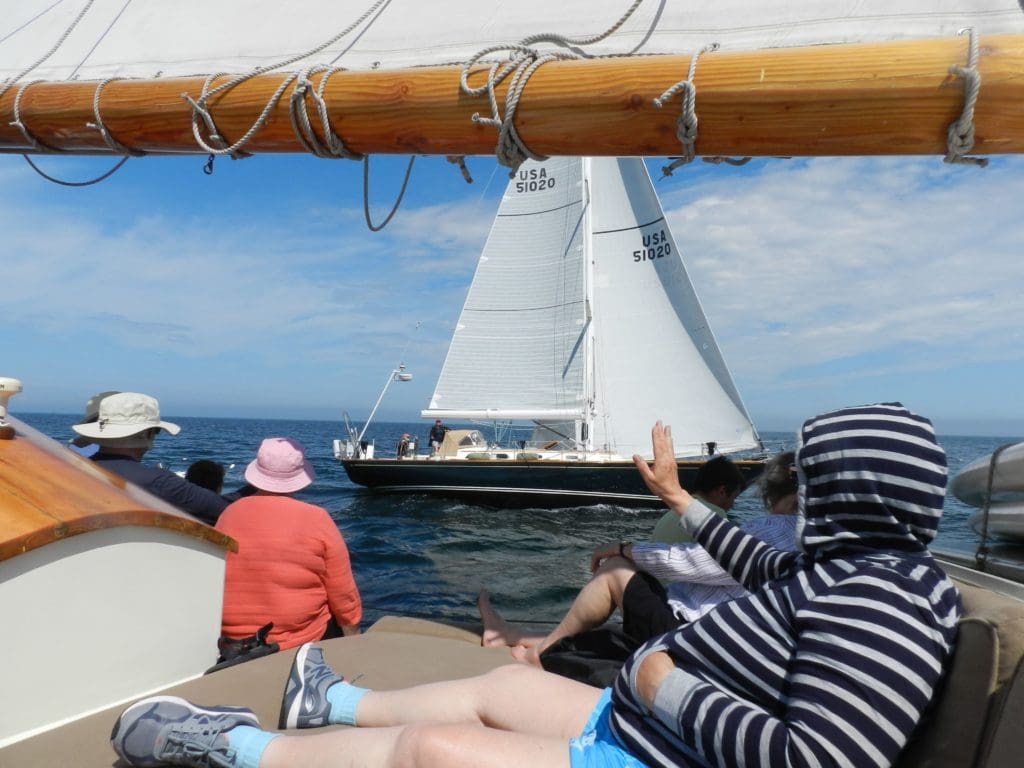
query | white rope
[523, 61]
[114, 144]
[960, 135]
[686, 124]
[333, 148]
[39, 146]
[50, 52]
[18, 123]
[201, 109]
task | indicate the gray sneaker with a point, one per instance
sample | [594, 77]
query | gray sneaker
[166, 729]
[305, 702]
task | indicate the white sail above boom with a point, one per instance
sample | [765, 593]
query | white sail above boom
[153, 39]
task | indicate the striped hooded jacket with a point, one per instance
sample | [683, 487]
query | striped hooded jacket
[836, 653]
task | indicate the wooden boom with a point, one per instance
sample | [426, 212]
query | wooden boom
[894, 98]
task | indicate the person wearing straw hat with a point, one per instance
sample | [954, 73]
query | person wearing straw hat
[125, 427]
[292, 567]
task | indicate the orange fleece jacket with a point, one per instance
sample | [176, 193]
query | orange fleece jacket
[292, 568]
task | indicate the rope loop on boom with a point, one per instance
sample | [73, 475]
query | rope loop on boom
[686, 124]
[332, 147]
[215, 144]
[522, 61]
[18, 123]
[41, 148]
[116, 146]
[960, 135]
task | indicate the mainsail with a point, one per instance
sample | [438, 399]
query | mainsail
[581, 312]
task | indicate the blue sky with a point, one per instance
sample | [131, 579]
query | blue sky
[259, 291]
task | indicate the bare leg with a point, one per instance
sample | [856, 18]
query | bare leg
[592, 607]
[427, 745]
[497, 630]
[509, 698]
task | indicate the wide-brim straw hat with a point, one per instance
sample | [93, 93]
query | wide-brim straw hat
[280, 466]
[125, 414]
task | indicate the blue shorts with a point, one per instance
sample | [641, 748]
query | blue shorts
[597, 746]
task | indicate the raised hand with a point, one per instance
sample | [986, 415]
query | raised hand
[662, 474]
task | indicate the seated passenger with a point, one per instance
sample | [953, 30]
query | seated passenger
[210, 475]
[629, 577]
[717, 484]
[206, 474]
[126, 425]
[292, 567]
[832, 658]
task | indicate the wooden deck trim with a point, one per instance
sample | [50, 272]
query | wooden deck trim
[48, 493]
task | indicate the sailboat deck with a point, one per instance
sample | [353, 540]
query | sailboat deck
[975, 723]
[393, 653]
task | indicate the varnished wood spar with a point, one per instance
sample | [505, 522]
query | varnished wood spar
[48, 493]
[868, 99]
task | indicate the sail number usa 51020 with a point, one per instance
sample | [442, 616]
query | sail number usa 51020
[534, 180]
[656, 246]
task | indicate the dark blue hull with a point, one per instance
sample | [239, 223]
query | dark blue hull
[512, 483]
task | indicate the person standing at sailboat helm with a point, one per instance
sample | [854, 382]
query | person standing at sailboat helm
[832, 658]
[292, 567]
[126, 425]
[437, 433]
[717, 485]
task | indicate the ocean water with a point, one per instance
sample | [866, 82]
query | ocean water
[417, 555]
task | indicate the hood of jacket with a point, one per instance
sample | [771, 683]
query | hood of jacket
[872, 478]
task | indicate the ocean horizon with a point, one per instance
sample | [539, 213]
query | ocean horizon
[419, 555]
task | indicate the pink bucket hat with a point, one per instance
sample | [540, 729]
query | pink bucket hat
[280, 466]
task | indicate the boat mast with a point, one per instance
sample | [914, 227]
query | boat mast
[589, 393]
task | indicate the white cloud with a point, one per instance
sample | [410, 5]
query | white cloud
[804, 264]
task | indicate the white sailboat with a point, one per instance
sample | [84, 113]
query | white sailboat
[581, 319]
[229, 77]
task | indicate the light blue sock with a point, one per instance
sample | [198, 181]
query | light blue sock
[343, 698]
[249, 743]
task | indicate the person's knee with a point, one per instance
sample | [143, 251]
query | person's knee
[615, 573]
[506, 675]
[422, 745]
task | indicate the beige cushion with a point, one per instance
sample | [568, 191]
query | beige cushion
[977, 715]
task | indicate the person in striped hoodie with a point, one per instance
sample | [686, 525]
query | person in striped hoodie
[830, 661]
[835, 656]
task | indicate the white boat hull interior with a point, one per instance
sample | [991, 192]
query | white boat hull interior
[99, 617]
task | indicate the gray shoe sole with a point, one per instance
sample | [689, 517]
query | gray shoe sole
[295, 690]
